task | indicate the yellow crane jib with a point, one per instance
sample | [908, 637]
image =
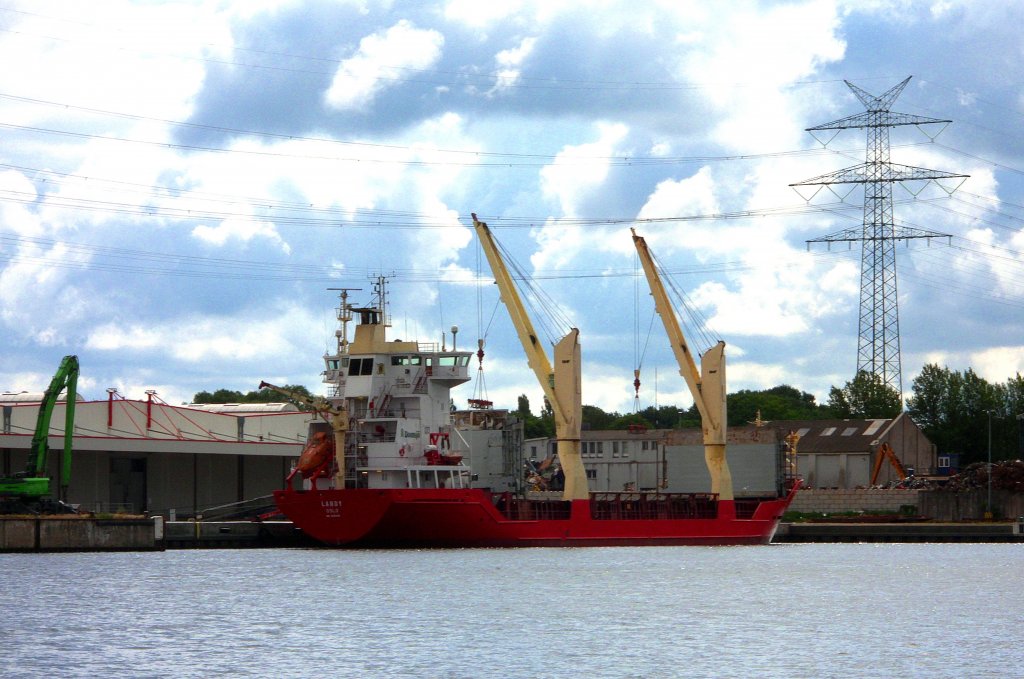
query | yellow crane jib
[562, 385]
[706, 385]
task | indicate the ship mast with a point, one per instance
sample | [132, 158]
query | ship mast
[706, 385]
[344, 318]
[561, 386]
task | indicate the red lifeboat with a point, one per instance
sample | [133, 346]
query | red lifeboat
[317, 454]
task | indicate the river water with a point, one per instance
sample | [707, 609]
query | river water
[814, 610]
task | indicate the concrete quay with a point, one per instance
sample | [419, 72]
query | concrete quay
[72, 533]
[903, 531]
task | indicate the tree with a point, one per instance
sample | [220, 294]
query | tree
[778, 403]
[865, 396]
[257, 396]
[596, 419]
[955, 410]
[533, 426]
[523, 406]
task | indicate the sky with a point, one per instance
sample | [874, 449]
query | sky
[183, 183]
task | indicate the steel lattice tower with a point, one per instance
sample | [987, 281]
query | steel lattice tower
[878, 346]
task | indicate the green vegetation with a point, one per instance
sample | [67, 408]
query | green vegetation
[866, 396]
[954, 410]
[258, 396]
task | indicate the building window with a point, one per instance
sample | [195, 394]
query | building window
[615, 448]
[591, 473]
[943, 461]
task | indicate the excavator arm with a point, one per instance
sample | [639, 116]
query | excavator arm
[561, 385]
[33, 482]
[886, 453]
[707, 386]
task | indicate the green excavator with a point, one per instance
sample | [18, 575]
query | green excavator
[29, 490]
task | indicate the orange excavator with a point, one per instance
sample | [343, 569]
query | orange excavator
[885, 452]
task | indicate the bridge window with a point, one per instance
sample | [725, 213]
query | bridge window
[360, 366]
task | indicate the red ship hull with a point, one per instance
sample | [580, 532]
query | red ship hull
[443, 517]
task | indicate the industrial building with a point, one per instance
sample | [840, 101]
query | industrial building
[136, 456]
[842, 453]
[829, 454]
[672, 460]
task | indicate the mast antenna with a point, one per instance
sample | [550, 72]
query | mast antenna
[344, 313]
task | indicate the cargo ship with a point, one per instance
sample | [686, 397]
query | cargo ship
[387, 468]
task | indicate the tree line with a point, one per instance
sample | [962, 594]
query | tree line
[257, 396]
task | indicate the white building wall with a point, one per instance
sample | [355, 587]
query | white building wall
[753, 466]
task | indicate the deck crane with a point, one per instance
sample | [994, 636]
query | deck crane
[561, 385]
[312, 461]
[706, 385]
[32, 485]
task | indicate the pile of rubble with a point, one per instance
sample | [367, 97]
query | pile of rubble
[911, 483]
[1006, 475]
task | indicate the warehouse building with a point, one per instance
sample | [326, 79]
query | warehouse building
[842, 453]
[137, 456]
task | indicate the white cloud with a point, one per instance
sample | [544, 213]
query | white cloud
[995, 364]
[382, 61]
[998, 364]
[14, 213]
[509, 64]
[747, 57]
[580, 169]
[193, 340]
[240, 228]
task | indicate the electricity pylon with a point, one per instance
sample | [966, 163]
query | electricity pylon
[878, 346]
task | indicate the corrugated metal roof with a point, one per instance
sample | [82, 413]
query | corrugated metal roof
[834, 436]
[244, 407]
[32, 397]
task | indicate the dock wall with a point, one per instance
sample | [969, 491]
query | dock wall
[970, 504]
[854, 500]
[79, 534]
[939, 505]
[923, 531]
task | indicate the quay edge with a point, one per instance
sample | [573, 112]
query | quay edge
[905, 531]
[80, 534]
